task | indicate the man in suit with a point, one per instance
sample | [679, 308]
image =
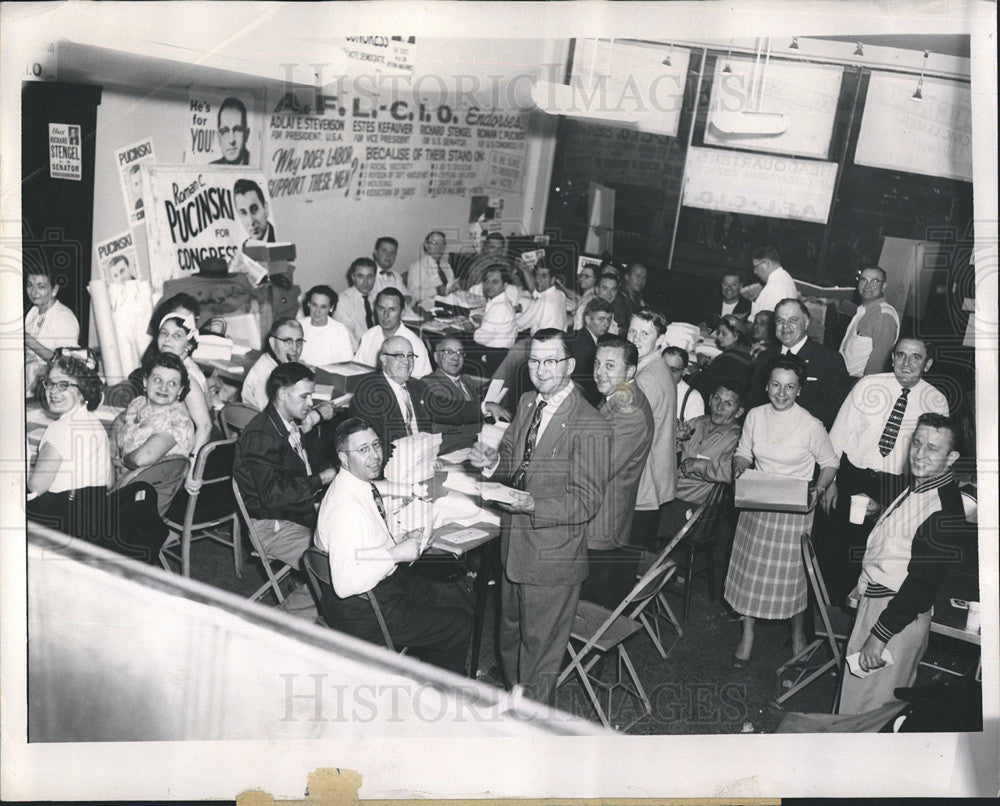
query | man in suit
[607, 289]
[279, 465]
[827, 381]
[613, 564]
[583, 346]
[252, 211]
[388, 398]
[356, 306]
[555, 455]
[636, 276]
[364, 556]
[453, 400]
[730, 303]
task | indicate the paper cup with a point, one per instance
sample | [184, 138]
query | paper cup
[972, 622]
[859, 508]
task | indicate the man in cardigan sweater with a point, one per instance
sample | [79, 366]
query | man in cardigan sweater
[906, 559]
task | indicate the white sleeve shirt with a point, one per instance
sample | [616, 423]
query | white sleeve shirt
[423, 279]
[255, 385]
[780, 285]
[547, 310]
[351, 530]
[499, 327]
[351, 313]
[371, 342]
[330, 344]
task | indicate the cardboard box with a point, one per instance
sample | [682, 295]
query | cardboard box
[269, 252]
[758, 490]
[344, 377]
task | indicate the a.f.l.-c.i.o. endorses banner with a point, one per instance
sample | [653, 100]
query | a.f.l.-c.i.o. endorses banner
[200, 211]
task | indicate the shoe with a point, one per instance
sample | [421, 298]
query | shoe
[740, 663]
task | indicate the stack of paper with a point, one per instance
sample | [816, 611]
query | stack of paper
[417, 514]
[413, 458]
[213, 348]
[461, 482]
[683, 335]
[492, 434]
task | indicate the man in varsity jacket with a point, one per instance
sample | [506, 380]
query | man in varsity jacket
[906, 558]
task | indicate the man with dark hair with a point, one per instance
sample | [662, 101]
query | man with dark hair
[499, 324]
[431, 274]
[548, 308]
[906, 558]
[390, 398]
[366, 558]
[555, 455]
[778, 283]
[384, 256]
[872, 332]
[583, 347]
[607, 289]
[389, 312]
[233, 133]
[729, 302]
[492, 253]
[280, 468]
[826, 381]
[251, 209]
[613, 564]
[636, 277]
[356, 308]
[871, 436]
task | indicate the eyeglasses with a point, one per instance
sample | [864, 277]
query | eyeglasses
[443, 351]
[400, 356]
[548, 364]
[59, 386]
[367, 450]
[870, 281]
[290, 341]
[238, 129]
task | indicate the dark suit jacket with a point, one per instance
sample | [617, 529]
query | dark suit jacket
[457, 420]
[712, 312]
[375, 401]
[631, 419]
[568, 474]
[271, 476]
[583, 348]
[827, 382]
[622, 313]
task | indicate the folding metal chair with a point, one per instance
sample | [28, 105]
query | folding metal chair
[234, 417]
[317, 565]
[703, 537]
[599, 631]
[258, 551]
[197, 515]
[825, 635]
[165, 474]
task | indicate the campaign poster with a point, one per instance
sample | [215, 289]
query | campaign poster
[116, 259]
[65, 155]
[130, 160]
[195, 212]
[224, 127]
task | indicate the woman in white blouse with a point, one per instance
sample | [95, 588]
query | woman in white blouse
[48, 325]
[327, 341]
[766, 577]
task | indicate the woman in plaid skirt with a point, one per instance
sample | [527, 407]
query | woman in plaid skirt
[766, 578]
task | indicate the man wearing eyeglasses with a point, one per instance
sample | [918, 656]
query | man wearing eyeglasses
[233, 133]
[284, 343]
[389, 311]
[873, 330]
[454, 400]
[364, 556]
[556, 456]
[390, 399]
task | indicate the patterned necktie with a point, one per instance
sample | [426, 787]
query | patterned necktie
[295, 437]
[517, 480]
[369, 318]
[891, 430]
[462, 389]
[379, 505]
[442, 278]
[408, 414]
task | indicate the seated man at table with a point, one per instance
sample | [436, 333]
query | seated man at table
[908, 554]
[583, 347]
[728, 303]
[548, 308]
[356, 307]
[707, 445]
[498, 328]
[284, 344]
[613, 564]
[279, 465]
[389, 311]
[453, 400]
[392, 401]
[365, 557]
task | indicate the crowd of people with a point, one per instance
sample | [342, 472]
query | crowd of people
[613, 436]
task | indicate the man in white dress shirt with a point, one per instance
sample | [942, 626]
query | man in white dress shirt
[385, 257]
[389, 312]
[356, 306]
[285, 342]
[499, 325]
[778, 283]
[871, 436]
[364, 557]
[549, 306]
[432, 274]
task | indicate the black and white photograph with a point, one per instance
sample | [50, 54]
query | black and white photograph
[611, 413]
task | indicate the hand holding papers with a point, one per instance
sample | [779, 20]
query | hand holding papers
[854, 663]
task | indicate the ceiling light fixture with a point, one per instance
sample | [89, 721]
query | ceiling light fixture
[795, 43]
[859, 51]
[918, 95]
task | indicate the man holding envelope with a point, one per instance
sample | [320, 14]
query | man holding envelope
[556, 457]
[906, 559]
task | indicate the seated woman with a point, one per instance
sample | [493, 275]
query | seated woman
[734, 366]
[48, 324]
[68, 481]
[762, 334]
[327, 341]
[766, 576]
[183, 304]
[156, 424]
